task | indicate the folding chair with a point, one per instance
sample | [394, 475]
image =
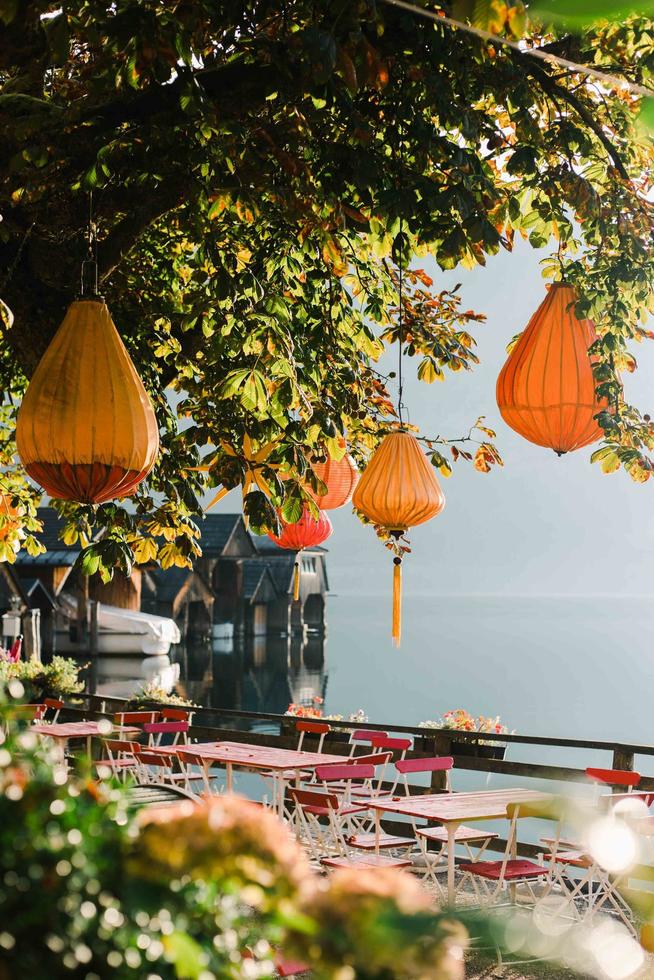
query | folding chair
[468, 837]
[120, 757]
[53, 705]
[177, 714]
[401, 745]
[156, 731]
[187, 758]
[128, 719]
[310, 806]
[360, 735]
[491, 879]
[614, 777]
[354, 776]
[320, 728]
[159, 769]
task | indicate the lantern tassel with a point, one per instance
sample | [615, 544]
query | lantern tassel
[296, 581]
[397, 602]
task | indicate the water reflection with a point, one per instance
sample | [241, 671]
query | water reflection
[258, 673]
[124, 676]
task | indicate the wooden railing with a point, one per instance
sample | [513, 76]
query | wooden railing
[215, 724]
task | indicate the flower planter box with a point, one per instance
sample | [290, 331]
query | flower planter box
[426, 743]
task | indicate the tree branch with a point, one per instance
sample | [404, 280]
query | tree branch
[555, 91]
[122, 238]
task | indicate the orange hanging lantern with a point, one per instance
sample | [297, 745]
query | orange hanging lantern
[305, 533]
[340, 477]
[86, 429]
[546, 390]
[398, 490]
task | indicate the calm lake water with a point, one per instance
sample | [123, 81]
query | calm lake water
[577, 667]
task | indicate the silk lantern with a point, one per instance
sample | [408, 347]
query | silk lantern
[340, 477]
[86, 429]
[546, 389]
[308, 532]
[398, 490]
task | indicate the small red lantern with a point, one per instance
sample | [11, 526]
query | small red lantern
[340, 477]
[308, 532]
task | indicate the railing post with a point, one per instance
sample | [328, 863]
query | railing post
[442, 746]
[623, 758]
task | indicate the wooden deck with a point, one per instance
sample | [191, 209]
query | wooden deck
[211, 725]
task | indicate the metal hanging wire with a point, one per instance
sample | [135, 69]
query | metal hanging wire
[400, 333]
[89, 267]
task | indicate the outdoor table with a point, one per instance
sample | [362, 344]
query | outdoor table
[452, 810]
[66, 730]
[267, 758]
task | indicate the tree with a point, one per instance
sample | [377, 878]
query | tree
[259, 172]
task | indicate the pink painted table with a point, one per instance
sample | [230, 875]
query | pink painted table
[66, 730]
[452, 810]
[281, 763]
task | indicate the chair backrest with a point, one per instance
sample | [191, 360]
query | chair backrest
[436, 763]
[155, 730]
[176, 714]
[375, 759]
[315, 727]
[363, 735]
[120, 746]
[347, 772]
[123, 718]
[320, 728]
[312, 797]
[189, 757]
[53, 705]
[396, 744]
[614, 777]
[158, 759]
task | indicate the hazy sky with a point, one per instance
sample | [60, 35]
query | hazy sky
[540, 525]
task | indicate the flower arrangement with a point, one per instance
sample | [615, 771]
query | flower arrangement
[152, 692]
[462, 721]
[314, 710]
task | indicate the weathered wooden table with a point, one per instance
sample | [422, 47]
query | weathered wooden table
[452, 810]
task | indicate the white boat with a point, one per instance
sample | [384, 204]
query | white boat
[120, 630]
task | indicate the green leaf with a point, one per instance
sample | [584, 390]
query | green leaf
[185, 954]
[583, 13]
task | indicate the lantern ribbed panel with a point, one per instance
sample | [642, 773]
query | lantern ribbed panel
[305, 533]
[340, 477]
[546, 389]
[86, 429]
[398, 488]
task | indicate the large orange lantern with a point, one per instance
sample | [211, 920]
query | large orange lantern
[340, 477]
[86, 429]
[546, 389]
[398, 490]
[308, 532]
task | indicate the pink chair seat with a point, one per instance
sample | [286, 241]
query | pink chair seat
[515, 870]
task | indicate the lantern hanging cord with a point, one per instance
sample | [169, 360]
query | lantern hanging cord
[611, 81]
[400, 382]
[90, 263]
